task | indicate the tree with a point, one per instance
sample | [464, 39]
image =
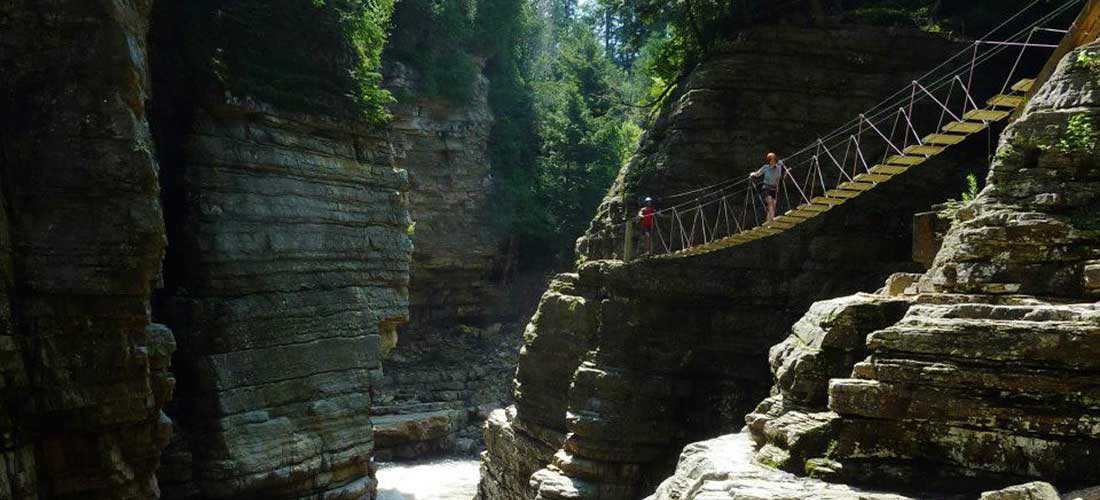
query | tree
[585, 137]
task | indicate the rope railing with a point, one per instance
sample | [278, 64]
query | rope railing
[711, 218]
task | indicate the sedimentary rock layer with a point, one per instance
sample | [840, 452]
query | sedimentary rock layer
[989, 378]
[288, 249]
[634, 361]
[292, 255]
[83, 371]
[724, 118]
[444, 147]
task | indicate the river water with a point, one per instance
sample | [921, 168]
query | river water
[435, 480]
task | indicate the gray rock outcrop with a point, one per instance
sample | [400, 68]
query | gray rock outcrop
[624, 364]
[987, 379]
[288, 255]
[293, 257]
[83, 369]
[454, 360]
[444, 147]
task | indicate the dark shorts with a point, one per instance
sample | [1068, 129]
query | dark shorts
[647, 229]
[767, 191]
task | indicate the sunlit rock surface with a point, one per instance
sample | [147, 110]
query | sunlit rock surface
[988, 379]
[723, 468]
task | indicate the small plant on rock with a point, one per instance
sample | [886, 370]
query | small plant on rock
[972, 189]
[1088, 61]
[1080, 137]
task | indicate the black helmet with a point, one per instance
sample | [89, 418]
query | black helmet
[648, 200]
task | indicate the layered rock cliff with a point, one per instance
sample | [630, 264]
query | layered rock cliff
[725, 117]
[287, 255]
[625, 363]
[981, 374]
[444, 147]
[454, 358]
[83, 369]
[288, 259]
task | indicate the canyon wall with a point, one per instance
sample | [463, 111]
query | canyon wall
[455, 358]
[83, 369]
[288, 256]
[623, 364]
[444, 147]
[988, 377]
[775, 89]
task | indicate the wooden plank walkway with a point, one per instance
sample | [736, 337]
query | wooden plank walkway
[1000, 107]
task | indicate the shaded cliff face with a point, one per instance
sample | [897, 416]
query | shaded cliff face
[82, 369]
[288, 258]
[293, 257]
[455, 358]
[774, 89]
[444, 147]
[980, 375]
[623, 364]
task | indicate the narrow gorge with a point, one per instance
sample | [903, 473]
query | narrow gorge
[357, 249]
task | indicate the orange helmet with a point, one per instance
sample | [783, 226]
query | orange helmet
[772, 156]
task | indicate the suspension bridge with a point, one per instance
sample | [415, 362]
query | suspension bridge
[925, 119]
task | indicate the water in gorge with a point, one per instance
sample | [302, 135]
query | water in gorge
[451, 479]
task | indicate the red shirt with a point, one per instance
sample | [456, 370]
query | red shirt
[647, 216]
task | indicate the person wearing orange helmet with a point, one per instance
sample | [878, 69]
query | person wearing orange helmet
[773, 173]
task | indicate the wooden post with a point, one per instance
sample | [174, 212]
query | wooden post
[628, 245]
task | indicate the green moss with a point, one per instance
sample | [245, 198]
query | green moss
[310, 56]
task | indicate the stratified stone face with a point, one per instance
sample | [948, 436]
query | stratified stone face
[291, 253]
[444, 147]
[966, 391]
[778, 88]
[631, 362]
[83, 371]
[1000, 388]
[1034, 230]
[455, 357]
[972, 395]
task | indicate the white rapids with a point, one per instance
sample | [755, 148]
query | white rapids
[436, 480]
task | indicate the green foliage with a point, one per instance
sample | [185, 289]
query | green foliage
[1088, 60]
[586, 137]
[435, 37]
[299, 55]
[972, 189]
[1079, 138]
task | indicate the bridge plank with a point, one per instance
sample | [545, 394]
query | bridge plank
[888, 169]
[964, 127]
[944, 139]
